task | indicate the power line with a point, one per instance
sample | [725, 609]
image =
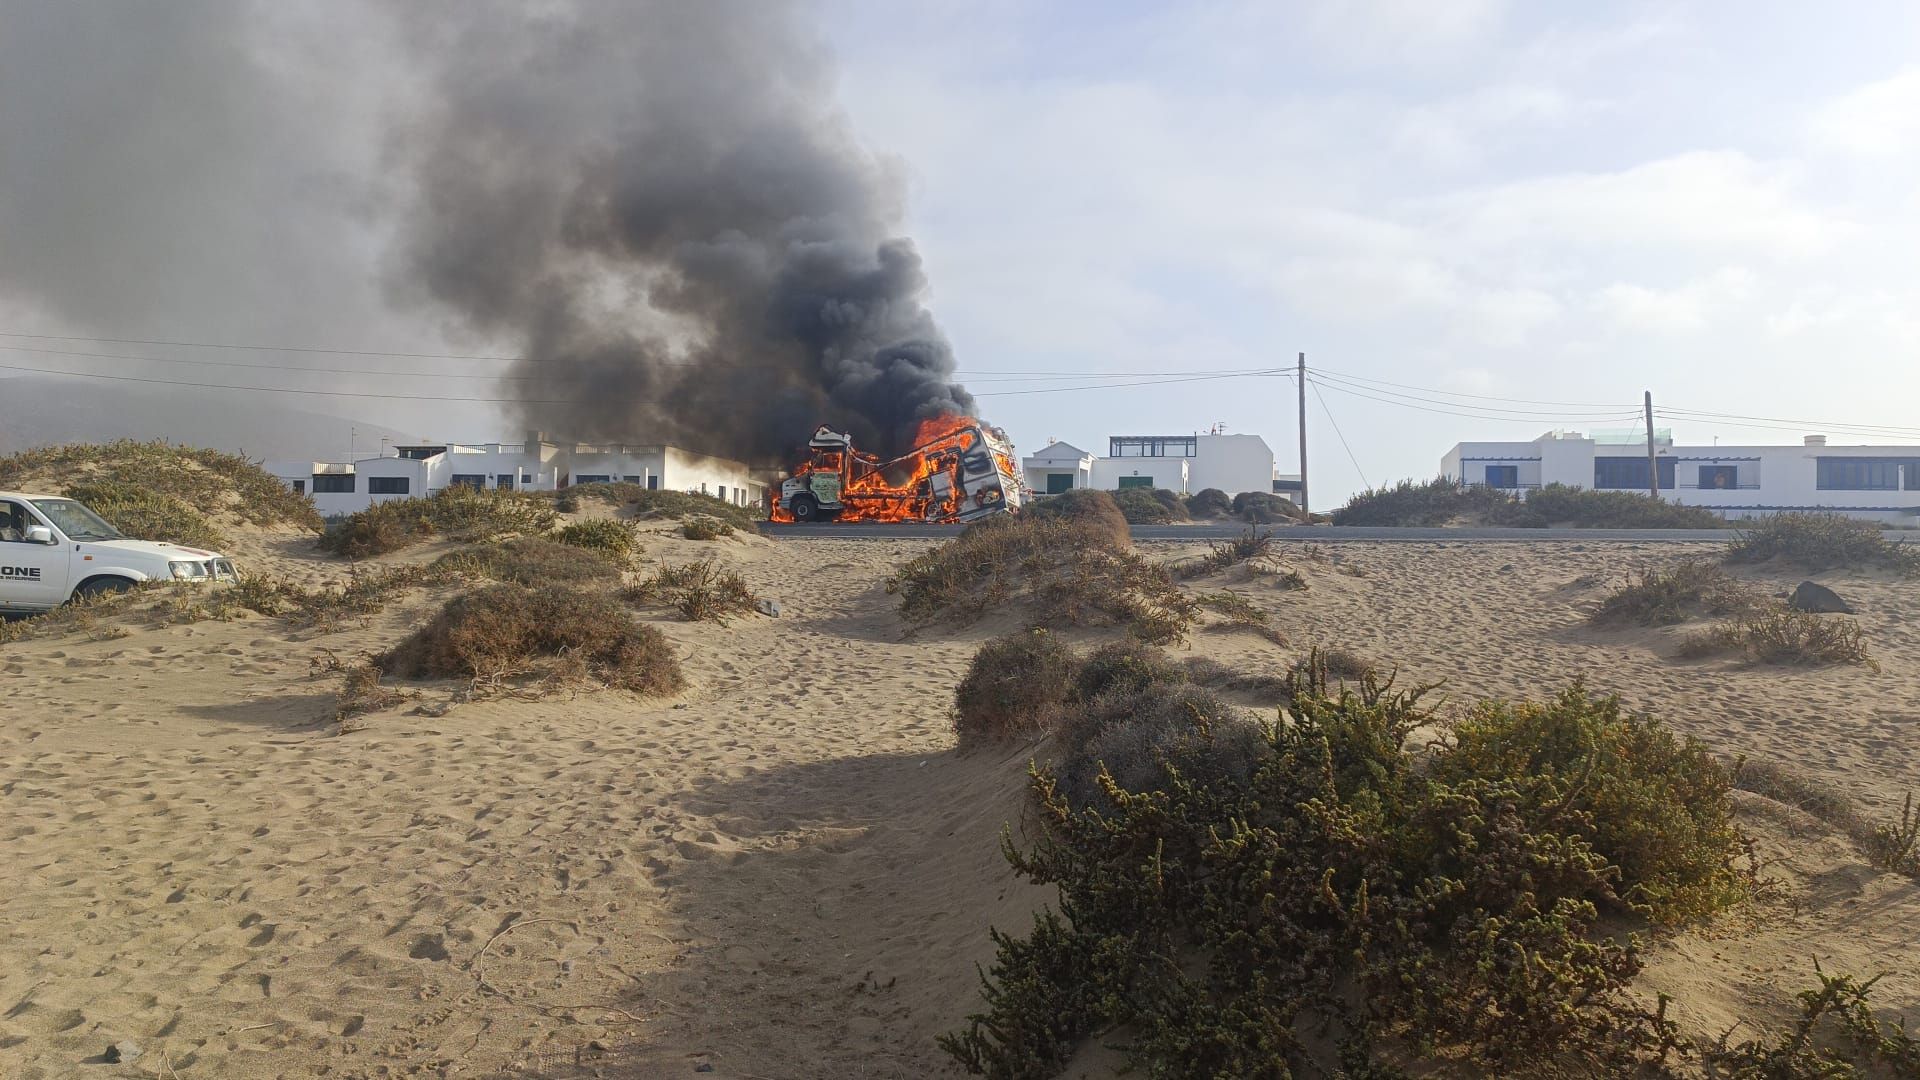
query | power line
[293, 390]
[258, 348]
[1469, 415]
[1270, 373]
[1480, 397]
[1606, 410]
[265, 367]
[1699, 416]
[1336, 430]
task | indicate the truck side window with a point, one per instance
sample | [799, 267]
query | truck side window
[13, 522]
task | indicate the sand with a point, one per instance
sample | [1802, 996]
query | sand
[787, 870]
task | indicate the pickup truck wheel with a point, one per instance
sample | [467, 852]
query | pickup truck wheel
[805, 508]
[101, 586]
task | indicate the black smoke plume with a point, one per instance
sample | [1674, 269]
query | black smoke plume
[660, 202]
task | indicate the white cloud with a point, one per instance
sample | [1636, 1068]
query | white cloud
[1880, 119]
[1693, 306]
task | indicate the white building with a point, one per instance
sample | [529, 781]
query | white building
[1179, 463]
[537, 464]
[1877, 482]
[1060, 467]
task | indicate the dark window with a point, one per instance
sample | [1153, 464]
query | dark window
[472, 480]
[332, 483]
[1152, 446]
[1721, 477]
[631, 479]
[593, 478]
[387, 485]
[1136, 481]
[299, 487]
[723, 493]
[419, 453]
[505, 481]
[1059, 482]
[653, 483]
[1503, 476]
[1866, 474]
[1628, 473]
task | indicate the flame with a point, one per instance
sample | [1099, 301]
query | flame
[922, 485]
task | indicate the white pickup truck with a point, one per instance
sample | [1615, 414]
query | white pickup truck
[53, 549]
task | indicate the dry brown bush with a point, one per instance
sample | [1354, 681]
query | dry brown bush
[532, 560]
[1094, 512]
[700, 591]
[509, 632]
[1013, 689]
[1689, 588]
[1783, 636]
[1069, 569]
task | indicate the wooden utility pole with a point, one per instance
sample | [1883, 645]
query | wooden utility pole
[1300, 376]
[1653, 465]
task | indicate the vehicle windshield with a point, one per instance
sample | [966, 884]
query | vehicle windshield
[78, 522]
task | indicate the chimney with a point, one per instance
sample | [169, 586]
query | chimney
[1816, 440]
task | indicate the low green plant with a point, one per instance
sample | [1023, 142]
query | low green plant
[1781, 635]
[146, 514]
[1249, 906]
[1823, 541]
[1094, 515]
[1685, 590]
[1013, 689]
[1442, 501]
[1837, 1010]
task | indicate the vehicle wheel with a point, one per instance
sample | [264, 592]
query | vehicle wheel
[805, 508]
[101, 586]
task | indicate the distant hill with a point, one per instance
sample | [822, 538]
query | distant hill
[42, 410]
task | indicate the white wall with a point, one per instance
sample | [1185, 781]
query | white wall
[688, 471]
[1167, 472]
[1232, 463]
[1769, 478]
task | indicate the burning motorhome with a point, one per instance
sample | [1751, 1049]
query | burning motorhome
[959, 470]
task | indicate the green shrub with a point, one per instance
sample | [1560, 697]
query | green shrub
[1149, 506]
[1208, 503]
[458, 512]
[1835, 1033]
[1266, 508]
[1069, 568]
[1442, 501]
[1823, 541]
[705, 528]
[1688, 588]
[1125, 668]
[1782, 635]
[1650, 802]
[1243, 908]
[613, 539]
[1557, 504]
[508, 632]
[146, 514]
[209, 481]
[1013, 689]
[1093, 513]
[532, 560]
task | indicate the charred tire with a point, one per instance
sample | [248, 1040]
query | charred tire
[102, 586]
[805, 508]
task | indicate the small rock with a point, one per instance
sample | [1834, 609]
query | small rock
[1507, 569]
[121, 1052]
[769, 608]
[1814, 597]
[433, 708]
[705, 1066]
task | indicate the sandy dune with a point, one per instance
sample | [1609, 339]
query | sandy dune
[784, 872]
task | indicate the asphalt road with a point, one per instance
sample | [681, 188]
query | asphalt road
[1318, 534]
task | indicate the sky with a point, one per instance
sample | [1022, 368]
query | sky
[1478, 220]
